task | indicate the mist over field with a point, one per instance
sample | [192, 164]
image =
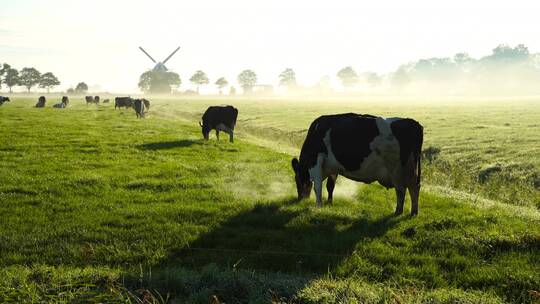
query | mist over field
[159, 152]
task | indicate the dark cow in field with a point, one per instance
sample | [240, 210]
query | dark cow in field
[4, 99]
[363, 148]
[106, 100]
[126, 102]
[219, 118]
[96, 99]
[89, 99]
[63, 104]
[138, 106]
[41, 102]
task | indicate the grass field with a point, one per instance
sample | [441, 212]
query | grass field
[101, 207]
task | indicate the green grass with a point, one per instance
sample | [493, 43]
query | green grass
[101, 207]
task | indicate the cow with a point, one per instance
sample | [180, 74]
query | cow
[106, 100]
[4, 99]
[126, 102]
[363, 148]
[138, 106]
[89, 99]
[146, 104]
[96, 99]
[219, 118]
[63, 104]
[41, 102]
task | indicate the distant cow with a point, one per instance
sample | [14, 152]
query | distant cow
[63, 104]
[89, 99]
[146, 104]
[41, 102]
[126, 102]
[96, 99]
[139, 105]
[219, 118]
[363, 148]
[4, 99]
[106, 100]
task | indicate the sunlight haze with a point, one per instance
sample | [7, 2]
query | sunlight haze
[97, 42]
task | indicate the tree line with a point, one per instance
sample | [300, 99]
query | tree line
[28, 77]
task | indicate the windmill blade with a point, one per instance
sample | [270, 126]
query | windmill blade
[164, 61]
[147, 55]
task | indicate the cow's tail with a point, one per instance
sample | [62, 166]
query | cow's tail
[418, 152]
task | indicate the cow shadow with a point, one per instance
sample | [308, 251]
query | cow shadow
[281, 236]
[164, 145]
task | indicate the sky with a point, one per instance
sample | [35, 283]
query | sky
[97, 41]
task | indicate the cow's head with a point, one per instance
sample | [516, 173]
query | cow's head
[301, 177]
[205, 130]
[7, 99]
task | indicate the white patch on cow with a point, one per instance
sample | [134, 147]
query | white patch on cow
[382, 164]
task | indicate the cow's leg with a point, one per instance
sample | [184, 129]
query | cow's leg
[316, 175]
[414, 192]
[330, 184]
[231, 136]
[400, 198]
[217, 134]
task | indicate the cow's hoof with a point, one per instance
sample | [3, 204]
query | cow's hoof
[398, 212]
[414, 213]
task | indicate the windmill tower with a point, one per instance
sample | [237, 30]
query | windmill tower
[160, 66]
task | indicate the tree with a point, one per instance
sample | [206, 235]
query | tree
[287, 78]
[48, 80]
[247, 79]
[373, 79]
[12, 78]
[199, 78]
[81, 88]
[70, 91]
[221, 83]
[29, 77]
[3, 70]
[158, 81]
[348, 76]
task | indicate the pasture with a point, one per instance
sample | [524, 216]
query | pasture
[99, 206]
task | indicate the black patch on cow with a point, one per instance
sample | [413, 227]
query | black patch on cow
[409, 134]
[313, 144]
[350, 140]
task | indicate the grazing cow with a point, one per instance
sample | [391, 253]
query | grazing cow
[219, 118]
[106, 100]
[139, 105]
[126, 102]
[65, 100]
[4, 99]
[146, 104]
[41, 102]
[89, 99]
[96, 99]
[363, 148]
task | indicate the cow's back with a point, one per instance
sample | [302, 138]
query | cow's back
[216, 115]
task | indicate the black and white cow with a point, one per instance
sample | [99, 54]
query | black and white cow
[4, 99]
[41, 102]
[63, 104]
[363, 148]
[96, 99]
[139, 105]
[126, 102]
[219, 118]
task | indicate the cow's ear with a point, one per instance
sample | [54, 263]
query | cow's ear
[295, 164]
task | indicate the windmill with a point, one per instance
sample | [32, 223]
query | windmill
[160, 66]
